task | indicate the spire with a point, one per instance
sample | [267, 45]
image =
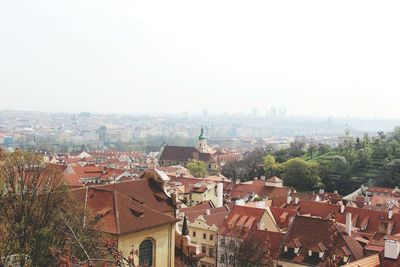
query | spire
[185, 230]
[201, 136]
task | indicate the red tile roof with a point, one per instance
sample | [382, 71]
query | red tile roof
[308, 233]
[240, 220]
[118, 209]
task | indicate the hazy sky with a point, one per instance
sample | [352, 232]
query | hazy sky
[313, 57]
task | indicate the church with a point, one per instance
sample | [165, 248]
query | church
[181, 155]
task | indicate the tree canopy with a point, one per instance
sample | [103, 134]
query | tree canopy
[302, 175]
[38, 213]
[197, 168]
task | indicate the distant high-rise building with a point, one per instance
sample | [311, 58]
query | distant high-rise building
[282, 112]
[255, 112]
[274, 112]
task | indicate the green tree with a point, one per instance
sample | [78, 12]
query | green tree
[197, 168]
[297, 147]
[271, 167]
[302, 175]
[38, 213]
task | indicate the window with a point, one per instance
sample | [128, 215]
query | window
[211, 237]
[211, 252]
[204, 236]
[223, 241]
[146, 253]
[222, 258]
[203, 249]
[194, 234]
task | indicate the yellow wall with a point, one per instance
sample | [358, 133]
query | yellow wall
[269, 222]
[200, 227]
[164, 244]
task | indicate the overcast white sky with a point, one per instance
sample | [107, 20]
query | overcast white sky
[313, 57]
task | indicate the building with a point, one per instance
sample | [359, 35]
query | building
[313, 241]
[241, 221]
[180, 155]
[203, 222]
[138, 215]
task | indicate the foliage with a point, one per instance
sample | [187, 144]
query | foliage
[38, 212]
[353, 162]
[197, 168]
[302, 175]
[250, 166]
[271, 167]
[253, 250]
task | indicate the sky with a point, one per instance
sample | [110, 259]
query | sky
[319, 58]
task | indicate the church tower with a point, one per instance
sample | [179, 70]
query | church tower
[202, 146]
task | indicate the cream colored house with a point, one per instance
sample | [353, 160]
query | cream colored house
[203, 225]
[138, 215]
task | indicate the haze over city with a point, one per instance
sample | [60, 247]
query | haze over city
[311, 57]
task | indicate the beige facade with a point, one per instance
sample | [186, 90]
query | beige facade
[205, 237]
[209, 194]
[162, 239]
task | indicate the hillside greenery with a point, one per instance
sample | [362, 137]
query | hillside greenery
[307, 166]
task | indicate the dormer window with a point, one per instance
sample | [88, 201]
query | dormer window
[296, 250]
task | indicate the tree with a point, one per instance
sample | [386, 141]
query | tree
[197, 168]
[339, 165]
[38, 213]
[297, 147]
[271, 167]
[252, 249]
[302, 175]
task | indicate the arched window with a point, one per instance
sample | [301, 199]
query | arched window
[146, 253]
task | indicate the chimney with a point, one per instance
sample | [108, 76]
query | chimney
[288, 200]
[237, 181]
[392, 249]
[342, 207]
[321, 191]
[255, 178]
[296, 200]
[366, 200]
[335, 192]
[262, 178]
[174, 197]
[220, 195]
[349, 224]
[390, 214]
[207, 211]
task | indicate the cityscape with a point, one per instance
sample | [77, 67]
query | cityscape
[199, 134]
